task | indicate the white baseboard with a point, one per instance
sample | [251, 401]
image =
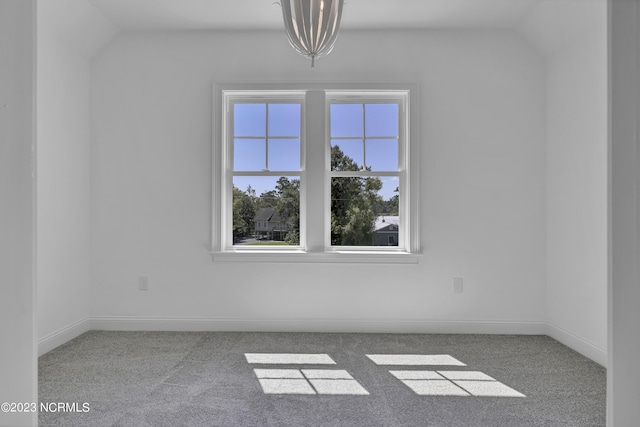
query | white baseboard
[574, 342]
[133, 323]
[62, 335]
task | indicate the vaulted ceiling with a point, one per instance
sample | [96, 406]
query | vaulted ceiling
[87, 25]
[357, 14]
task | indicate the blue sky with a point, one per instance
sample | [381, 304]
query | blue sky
[371, 132]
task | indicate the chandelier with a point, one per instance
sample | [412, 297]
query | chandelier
[312, 25]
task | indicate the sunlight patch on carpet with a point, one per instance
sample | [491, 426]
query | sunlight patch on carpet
[415, 359]
[289, 358]
[308, 381]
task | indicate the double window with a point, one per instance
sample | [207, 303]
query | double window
[314, 171]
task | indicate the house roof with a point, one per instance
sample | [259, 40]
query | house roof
[385, 221]
[267, 214]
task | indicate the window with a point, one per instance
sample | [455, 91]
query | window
[263, 142]
[328, 173]
[365, 167]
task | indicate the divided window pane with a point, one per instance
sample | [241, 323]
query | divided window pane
[346, 120]
[284, 120]
[347, 154]
[250, 120]
[364, 211]
[266, 210]
[382, 154]
[284, 154]
[367, 134]
[381, 120]
[266, 137]
[266, 143]
[365, 138]
[249, 154]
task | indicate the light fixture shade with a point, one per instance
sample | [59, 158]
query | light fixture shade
[312, 25]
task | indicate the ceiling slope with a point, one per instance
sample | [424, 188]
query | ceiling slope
[77, 24]
[141, 15]
[555, 24]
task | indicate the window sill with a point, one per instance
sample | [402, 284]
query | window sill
[299, 256]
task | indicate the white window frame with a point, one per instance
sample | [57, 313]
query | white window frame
[230, 98]
[315, 174]
[372, 97]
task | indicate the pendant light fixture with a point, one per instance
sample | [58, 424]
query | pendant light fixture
[312, 25]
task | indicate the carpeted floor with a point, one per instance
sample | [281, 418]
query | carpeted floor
[252, 379]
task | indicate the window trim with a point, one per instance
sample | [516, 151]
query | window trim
[315, 251]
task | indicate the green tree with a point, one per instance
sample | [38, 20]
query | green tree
[284, 198]
[288, 206]
[353, 203]
[268, 199]
[393, 202]
[244, 210]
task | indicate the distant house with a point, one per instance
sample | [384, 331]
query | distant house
[386, 231]
[269, 225]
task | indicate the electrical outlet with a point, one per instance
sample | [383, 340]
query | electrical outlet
[458, 285]
[143, 283]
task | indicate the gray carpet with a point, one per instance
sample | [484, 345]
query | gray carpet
[205, 379]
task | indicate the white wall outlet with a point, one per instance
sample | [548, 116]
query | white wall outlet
[143, 283]
[458, 285]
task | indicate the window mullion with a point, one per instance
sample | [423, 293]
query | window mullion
[314, 193]
[364, 138]
[266, 138]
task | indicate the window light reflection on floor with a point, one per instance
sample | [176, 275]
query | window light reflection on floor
[308, 381]
[435, 388]
[289, 358]
[454, 383]
[285, 386]
[340, 382]
[415, 359]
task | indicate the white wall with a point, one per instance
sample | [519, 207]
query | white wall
[483, 186]
[63, 191]
[65, 46]
[573, 36]
[18, 368]
[577, 191]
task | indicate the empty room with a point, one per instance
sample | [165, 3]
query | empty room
[320, 213]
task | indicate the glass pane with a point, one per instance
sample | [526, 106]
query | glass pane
[382, 154]
[284, 119]
[389, 192]
[250, 120]
[364, 211]
[266, 210]
[284, 154]
[381, 119]
[346, 155]
[249, 154]
[346, 120]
